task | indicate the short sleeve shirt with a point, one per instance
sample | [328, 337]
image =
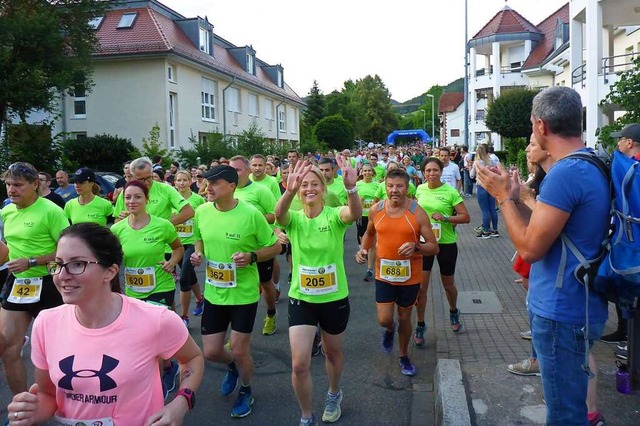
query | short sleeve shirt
[96, 211]
[367, 193]
[451, 175]
[185, 230]
[163, 199]
[440, 200]
[270, 183]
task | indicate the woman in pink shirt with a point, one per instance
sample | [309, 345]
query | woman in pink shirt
[96, 356]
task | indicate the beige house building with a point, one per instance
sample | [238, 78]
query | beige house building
[153, 65]
[582, 45]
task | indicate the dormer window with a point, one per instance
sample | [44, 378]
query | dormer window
[127, 20]
[250, 63]
[280, 82]
[205, 41]
[96, 22]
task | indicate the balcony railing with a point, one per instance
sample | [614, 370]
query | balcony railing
[508, 69]
[608, 67]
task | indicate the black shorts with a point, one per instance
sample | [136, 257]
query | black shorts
[332, 317]
[404, 296]
[216, 318]
[49, 297]
[447, 258]
[188, 277]
[283, 250]
[361, 226]
[265, 270]
[162, 298]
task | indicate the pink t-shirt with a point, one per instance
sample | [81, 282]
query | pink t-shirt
[111, 372]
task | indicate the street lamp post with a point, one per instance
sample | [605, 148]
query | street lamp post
[433, 123]
[424, 119]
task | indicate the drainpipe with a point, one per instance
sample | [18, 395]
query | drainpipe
[63, 111]
[278, 122]
[224, 107]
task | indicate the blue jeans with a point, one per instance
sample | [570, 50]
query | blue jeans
[468, 183]
[488, 207]
[561, 355]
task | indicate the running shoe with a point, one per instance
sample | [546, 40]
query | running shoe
[368, 276]
[242, 406]
[598, 420]
[525, 368]
[526, 335]
[387, 340]
[454, 318]
[483, 235]
[229, 382]
[332, 411]
[269, 326]
[478, 228]
[309, 422]
[277, 293]
[169, 378]
[407, 367]
[615, 337]
[186, 321]
[199, 309]
[621, 353]
[418, 336]
[289, 278]
[316, 349]
[494, 234]
[622, 345]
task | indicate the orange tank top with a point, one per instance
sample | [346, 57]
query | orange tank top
[392, 233]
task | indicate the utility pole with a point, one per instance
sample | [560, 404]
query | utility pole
[466, 78]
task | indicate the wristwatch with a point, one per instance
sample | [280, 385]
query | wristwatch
[33, 262]
[189, 395]
[254, 258]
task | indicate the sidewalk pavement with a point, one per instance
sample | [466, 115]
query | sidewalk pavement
[491, 341]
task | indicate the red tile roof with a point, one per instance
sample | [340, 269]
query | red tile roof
[154, 33]
[546, 46]
[504, 22]
[449, 102]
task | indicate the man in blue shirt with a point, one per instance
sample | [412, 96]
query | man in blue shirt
[573, 200]
[65, 190]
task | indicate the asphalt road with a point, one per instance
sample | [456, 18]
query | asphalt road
[375, 391]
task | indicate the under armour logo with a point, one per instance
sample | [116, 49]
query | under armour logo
[106, 383]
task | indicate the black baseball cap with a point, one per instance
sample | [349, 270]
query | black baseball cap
[222, 171]
[631, 131]
[83, 174]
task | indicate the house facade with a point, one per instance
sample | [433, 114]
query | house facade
[580, 45]
[153, 65]
[451, 112]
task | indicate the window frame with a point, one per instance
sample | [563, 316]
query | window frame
[122, 24]
[212, 97]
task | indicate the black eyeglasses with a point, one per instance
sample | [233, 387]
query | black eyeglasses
[75, 267]
[146, 179]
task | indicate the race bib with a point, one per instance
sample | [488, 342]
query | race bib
[395, 271]
[25, 290]
[315, 281]
[62, 421]
[221, 275]
[185, 230]
[367, 203]
[437, 230]
[140, 280]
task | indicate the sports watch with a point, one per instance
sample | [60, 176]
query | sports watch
[254, 258]
[33, 262]
[189, 395]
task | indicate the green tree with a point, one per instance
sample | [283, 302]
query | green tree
[152, 147]
[372, 102]
[314, 111]
[625, 94]
[31, 143]
[45, 49]
[101, 152]
[252, 141]
[202, 151]
[335, 132]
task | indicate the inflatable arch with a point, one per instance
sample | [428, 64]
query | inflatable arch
[424, 137]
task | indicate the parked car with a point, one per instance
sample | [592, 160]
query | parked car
[107, 182]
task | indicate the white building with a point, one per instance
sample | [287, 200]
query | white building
[451, 111]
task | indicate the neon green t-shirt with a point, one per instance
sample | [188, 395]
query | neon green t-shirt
[33, 232]
[96, 211]
[440, 200]
[337, 187]
[270, 183]
[381, 192]
[163, 200]
[317, 247]
[330, 200]
[241, 229]
[185, 229]
[143, 254]
[367, 193]
[381, 172]
[258, 196]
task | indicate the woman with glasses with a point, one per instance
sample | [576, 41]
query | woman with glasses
[99, 330]
[87, 206]
[188, 279]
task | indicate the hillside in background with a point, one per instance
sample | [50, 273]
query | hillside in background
[413, 103]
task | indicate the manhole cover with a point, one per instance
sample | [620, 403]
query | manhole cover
[479, 302]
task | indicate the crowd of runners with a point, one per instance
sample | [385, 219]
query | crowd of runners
[234, 217]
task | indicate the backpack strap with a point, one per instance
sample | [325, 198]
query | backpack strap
[593, 159]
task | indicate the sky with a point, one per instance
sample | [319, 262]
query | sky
[411, 44]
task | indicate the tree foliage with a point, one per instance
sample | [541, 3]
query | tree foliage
[335, 132]
[152, 147]
[202, 151]
[315, 106]
[252, 141]
[101, 152]
[625, 94]
[509, 114]
[373, 103]
[45, 49]
[31, 143]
